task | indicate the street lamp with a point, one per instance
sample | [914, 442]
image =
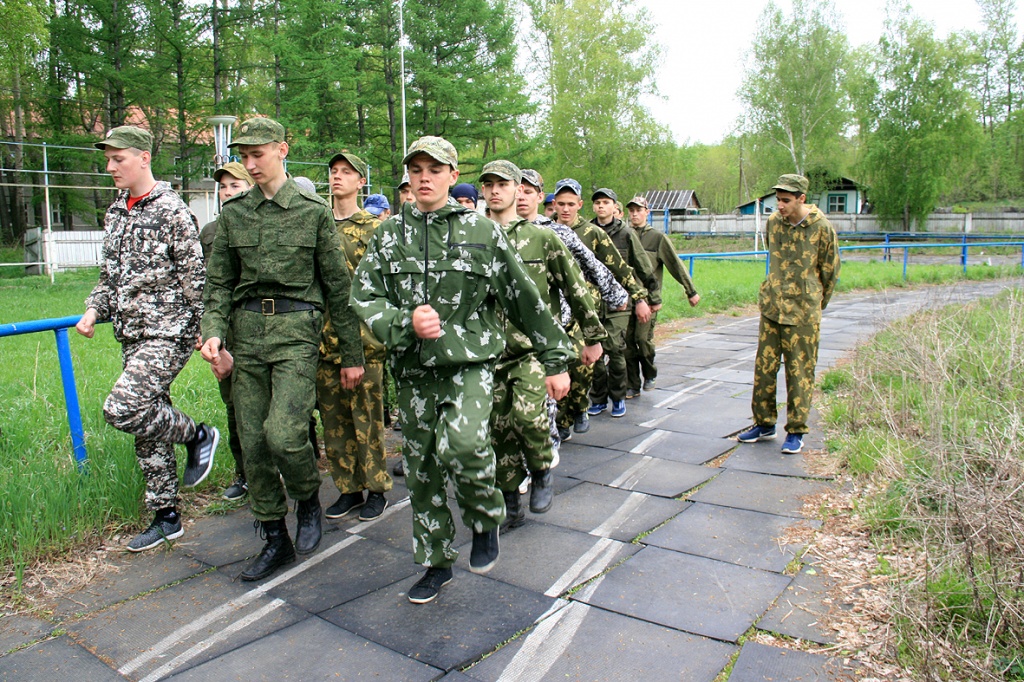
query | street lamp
[221, 138]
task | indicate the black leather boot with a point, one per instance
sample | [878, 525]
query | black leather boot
[514, 512]
[276, 553]
[309, 527]
[542, 491]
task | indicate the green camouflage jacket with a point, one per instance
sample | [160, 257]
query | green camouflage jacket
[628, 243]
[663, 257]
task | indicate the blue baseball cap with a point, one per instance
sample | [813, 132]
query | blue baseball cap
[466, 191]
[376, 204]
[548, 199]
[569, 184]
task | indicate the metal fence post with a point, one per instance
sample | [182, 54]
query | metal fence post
[67, 376]
[963, 255]
[906, 256]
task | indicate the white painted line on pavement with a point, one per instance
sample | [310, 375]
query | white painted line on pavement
[643, 446]
[392, 508]
[631, 504]
[573, 572]
[682, 393]
[631, 476]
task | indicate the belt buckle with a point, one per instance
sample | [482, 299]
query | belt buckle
[267, 306]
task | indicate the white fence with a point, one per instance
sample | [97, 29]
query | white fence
[953, 223]
[62, 250]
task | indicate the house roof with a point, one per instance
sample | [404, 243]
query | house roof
[836, 184]
[676, 199]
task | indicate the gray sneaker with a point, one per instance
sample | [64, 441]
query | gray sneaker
[159, 532]
[200, 454]
[236, 490]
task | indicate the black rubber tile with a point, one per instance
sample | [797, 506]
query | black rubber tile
[650, 475]
[395, 529]
[311, 650]
[55, 659]
[18, 631]
[765, 457]
[550, 559]
[726, 374]
[575, 457]
[223, 540]
[688, 448]
[611, 512]
[761, 663]
[801, 608]
[605, 431]
[470, 617]
[580, 642]
[736, 536]
[710, 416]
[161, 631]
[689, 593]
[692, 356]
[758, 492]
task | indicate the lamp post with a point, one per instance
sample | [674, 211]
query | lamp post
[221, 137]
[401, 62]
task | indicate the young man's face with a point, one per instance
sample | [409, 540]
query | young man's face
[500, 194]
[637, 215]
[229, 186]
[604, 209]
[789, 204]
[467, 202]
[550, 210]
[430, 180]
[265, 162]
[567, 207]
[528, 200]
[345, 180]
[126, 166]
[405, 195]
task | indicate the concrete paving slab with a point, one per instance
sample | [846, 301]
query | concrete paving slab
[705, 356]
[396, 528]
[688, 448]
[801, 608]
[160, 629]
[732, 376]
[55, 659]
[709, 416]
[311, 650]
[611, 512]
[765, 458]
[471, 616]
[601, 645]
[737, 536]
[222, 540]
[689, 593]
[606, 430]
[647, 474]
[575, 457]
[758, 492]
[762, 663]
[18, 631]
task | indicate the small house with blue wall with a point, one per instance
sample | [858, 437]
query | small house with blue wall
[841, 195]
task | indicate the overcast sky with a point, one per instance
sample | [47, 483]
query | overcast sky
[705, 43]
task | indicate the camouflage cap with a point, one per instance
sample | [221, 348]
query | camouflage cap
[569, 184]
[638, 201]
[405, 180]
[126, 137]
[352, 159]
[506, 170]
[534, 178]
[235, 170]
[796, 184]
[604, 192]
[436, 148]
[259, 130]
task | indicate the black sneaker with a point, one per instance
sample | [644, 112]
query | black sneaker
[346, 504]
[428, 587]
[200, 454]
[375, 505]
[398, 469]
[484, 554]
[564, 434]
[236, 490]
[159, 532]
[582, 423]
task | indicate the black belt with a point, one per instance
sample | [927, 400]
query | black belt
[275, 306]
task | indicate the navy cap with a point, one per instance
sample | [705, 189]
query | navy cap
[548, 199]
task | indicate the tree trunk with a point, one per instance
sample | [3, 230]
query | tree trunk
[216, 57]
[19, 217]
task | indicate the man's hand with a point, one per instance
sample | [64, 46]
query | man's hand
[426, 322]
[694, 300]
[199, 342]
[223, 365]
[558, 385]
[351, 376]
[591, 354]
[643, 312]
[655, 308]
[211, 350]
[87, 325]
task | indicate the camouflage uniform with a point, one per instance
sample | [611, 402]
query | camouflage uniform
[802, 275]
[354, 419]
[520, 426]
[459, 263]
[274, 256]
[640, 335]
[150, 287]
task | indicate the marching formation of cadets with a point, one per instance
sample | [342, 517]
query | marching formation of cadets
[300, 304]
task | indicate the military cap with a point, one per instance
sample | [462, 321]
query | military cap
[534, 178]
[604, 192]
[796, 184]
[259, 130]
[569, 184]
[465, 190]
[436, 148]
[405, 180]
[235, 170]
[549, 198]
[125, 137]
[305, 183]
[638, 201]
[352, 159]
[376, 204]
[506, 170]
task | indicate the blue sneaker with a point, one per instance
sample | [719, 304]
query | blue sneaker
[596, 409]
[618, 408]
[757, 433]
[794, 444]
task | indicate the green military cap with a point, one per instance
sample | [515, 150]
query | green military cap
[259, 130]
[534, 178]
[124, 137]
[639, 201]
[234, 169]
[796, 184]
[604, 192]
[506, 170]
[436, 148]
[352, 159]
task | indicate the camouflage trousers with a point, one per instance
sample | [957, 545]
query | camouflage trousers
[354, 428]
[233, 442]
[140, 404]
[446, 437]
[520, 427]
[610, 379]
[274, 392]
[640, 351]
[580, 378]
[798, 345]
